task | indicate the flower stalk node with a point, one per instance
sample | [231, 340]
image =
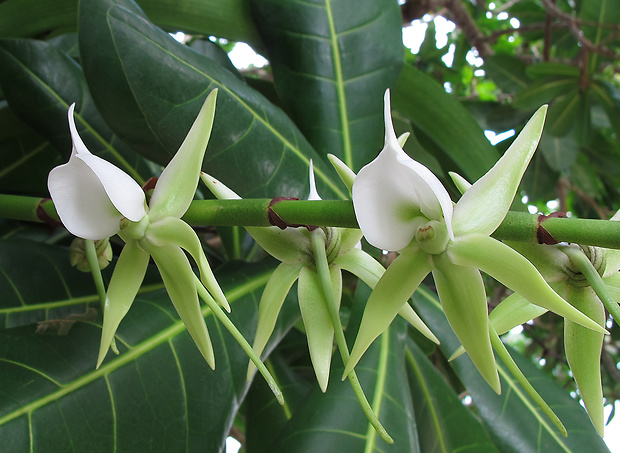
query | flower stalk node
[542, 235]
[276, 220]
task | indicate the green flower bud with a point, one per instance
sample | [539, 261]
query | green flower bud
[77, 254]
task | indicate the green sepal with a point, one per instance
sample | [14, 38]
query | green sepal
[171, 231]
[317, 322]
[369, 270]
[514, 271]
[177, 184]
[484, 205]
[391, 293]
[178, 277]
[124, 285]
[583, 352]
[349, 238]
[462, 185]
[291, 245]
[346, 174]
[512, 312]
[464, 302]
[271, 301]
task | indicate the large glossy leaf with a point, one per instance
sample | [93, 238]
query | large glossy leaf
[334, 421]
[599, 17]
[444, 423]
[336, 95]
[514, 421]
[149, 88]
[445, 121]
[230, 19]
[25, 156]
[543, 91]
[40, 83]
[508, 72]
[157, 395]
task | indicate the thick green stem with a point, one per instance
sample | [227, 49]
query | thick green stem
[585, 266]
[517, 226]
[221, 316]
[322, 267]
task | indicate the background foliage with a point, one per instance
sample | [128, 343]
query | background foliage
[137, 91]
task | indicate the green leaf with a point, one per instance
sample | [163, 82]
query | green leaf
[559, 152]
[444, 424]
[508, 72]
[230, 19]
[562, 113]
[158, 394]
[337, 98]
[41, 83]
[552, 69]
[513, 420]
[600, 18]
[149, 88]
[543, 91]
[445, 121]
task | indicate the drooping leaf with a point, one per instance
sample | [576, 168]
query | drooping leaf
[158, 394]
[442, 118]
[41, 83]
[336, 97]
[515, 422]
[149, 88]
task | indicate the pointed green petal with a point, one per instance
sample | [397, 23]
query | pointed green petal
[124, 285]
[391, 293]
[171, 231]
[461, 183]
[514, 271]
[271, 301]
[315, 314]
[346, 174]
[290, 245]
[583, 352]
[464, 301]
[369, 270]
[178, 277]
[177, 184]
[512, 312]
[485, 204]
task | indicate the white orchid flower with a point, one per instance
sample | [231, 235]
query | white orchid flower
[95, 200]
[400, 205]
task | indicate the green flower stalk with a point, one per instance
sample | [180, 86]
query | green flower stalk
[400, 205]
[96, 200]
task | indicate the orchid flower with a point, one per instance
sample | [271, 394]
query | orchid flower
[95, 200]
[401, 206]
[294, 248]
[587, 277]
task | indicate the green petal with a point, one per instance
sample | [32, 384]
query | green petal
[583, 352]
[177, 274]
[171, 231]
[271, 301]
[514, 271]
[177, 184]
[124, 285]
[391, 293]
[315, 314]
[346, 174]
[485, 204]
[369, 270]
[512, 312]
[464, 301]
[291, 245]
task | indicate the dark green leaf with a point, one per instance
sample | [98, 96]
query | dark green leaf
[543, 91]
[559, 152]
[149, 88]
[509, 73]
[552, 69]
[514, 421]
[562, 114]
[157, 395]
[335, 96]
[445, 121]
[444, 423]
[41, 82]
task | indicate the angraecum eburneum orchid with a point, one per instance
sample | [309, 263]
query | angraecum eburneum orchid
[96, 200]
[402, 206]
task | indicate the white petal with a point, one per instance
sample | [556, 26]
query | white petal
[313, 195]
[393, 190]
[81, 201]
